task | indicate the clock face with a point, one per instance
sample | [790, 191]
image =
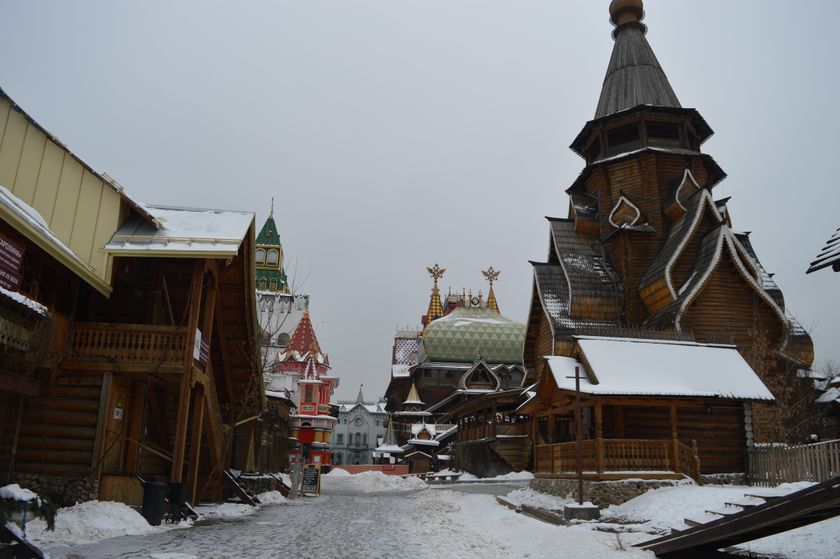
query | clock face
[475, 301]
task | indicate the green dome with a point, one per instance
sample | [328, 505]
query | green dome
[465, 333]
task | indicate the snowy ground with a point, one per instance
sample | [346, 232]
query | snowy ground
[371, 515]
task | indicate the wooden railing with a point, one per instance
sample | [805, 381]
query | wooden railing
[771, 465]
[128, 343]
[617, 456]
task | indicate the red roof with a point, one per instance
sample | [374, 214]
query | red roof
[303, 338]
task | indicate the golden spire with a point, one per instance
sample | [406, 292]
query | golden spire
[435, 306]
[413, 396]
[491, 276]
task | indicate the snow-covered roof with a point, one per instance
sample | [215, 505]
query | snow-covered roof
[829, 396]
[212, 233]
[391, 448]
[430, 442]
[659, 368]
[371, 408]
[23, 300]
[401, 370]
[48, 240]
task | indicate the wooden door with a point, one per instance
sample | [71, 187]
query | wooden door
[116, 426]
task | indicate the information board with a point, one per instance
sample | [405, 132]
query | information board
[11, 258]
[311, 484]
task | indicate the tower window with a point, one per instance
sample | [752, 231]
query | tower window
[663, 133]
[260, 256]
[273, 285]
[273, 257]
[261, 284]
[624, 138]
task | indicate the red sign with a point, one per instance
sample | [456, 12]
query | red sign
[11, 258]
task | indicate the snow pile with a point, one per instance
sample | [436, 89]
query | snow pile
[373, 482]
[466, 476]
[527, 496]
[272, 498]
[338, 472]
[89, 522]
[16, 493]
[225, 510]
[514, 476]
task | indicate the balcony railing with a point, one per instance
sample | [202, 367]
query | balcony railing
[127, 345]
[617, 457]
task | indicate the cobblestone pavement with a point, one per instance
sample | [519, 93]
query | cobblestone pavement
[334, 525]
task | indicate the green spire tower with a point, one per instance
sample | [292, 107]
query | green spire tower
[269, 258]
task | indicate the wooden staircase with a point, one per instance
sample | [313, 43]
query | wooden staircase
[245, 495]
[515, 451]
[776, 515]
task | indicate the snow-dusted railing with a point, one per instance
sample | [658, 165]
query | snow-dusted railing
[617, 456]
[771, 465]
[141, 344]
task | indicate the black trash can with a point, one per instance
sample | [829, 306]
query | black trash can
[154, 496]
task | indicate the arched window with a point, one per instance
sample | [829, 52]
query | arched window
[273, 257]
[273, 285]
[365, 437]
[261, 284]
[358, 439]
[260, 255]
[338, 459]
[377, 423]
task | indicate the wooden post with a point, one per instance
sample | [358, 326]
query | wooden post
[195, 443]
[135, 428]
[675, 443]
[599, 437]
[578, 436]
[176, 474]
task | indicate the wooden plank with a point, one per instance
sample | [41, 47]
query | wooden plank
[195, 443]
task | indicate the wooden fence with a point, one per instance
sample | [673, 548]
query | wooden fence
[770, 465]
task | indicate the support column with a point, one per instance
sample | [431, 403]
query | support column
[195, 442]
[176, 474]
[599, 437]
[675, 443]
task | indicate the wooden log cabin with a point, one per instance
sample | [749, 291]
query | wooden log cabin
[650, 409]
[150, 365]
[647, 251]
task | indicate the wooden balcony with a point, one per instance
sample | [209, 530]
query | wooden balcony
[618, 459]
[130, 348]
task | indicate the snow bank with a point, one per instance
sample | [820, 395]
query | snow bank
[466, 476]
[272, 498]
[527, 496]
[372, 482]
[225, 510]
[337, 472]
[89, 522]
[17, 493]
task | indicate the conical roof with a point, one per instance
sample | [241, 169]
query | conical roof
[390, 443]
[303, 338]
[268, 234]
[491, 300]
[634, 76]
[360, 399]
[413, 397]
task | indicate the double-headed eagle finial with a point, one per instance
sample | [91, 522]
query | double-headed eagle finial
[491, 275]
[436, 272]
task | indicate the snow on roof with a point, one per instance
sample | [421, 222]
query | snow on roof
[184, 231]
[393, 449]
[829, 396]
[401, 370]
[30, 215]
[430, 442]
[662, 368]
[24, 300]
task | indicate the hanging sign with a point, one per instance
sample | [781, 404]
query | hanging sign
[11, 259]
[311, 484]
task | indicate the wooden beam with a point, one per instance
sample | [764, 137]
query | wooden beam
[599, 437]
[176, 474]
[225, 353]
[195, 443]
[135, 427]
[675, 443]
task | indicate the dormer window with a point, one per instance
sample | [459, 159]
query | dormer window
[273, 285]
[261, 284]
[273, 257]
[623, 139]
[260, 257]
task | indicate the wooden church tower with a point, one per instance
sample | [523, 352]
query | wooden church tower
[647, 250]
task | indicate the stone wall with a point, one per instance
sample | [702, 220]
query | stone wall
[259, 483]
[61, 490]
[724, 479]
[603, 493]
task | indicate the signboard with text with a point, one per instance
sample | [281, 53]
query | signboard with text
[311, 484]
[11, 259]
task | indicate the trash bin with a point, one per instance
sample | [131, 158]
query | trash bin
[154, 496]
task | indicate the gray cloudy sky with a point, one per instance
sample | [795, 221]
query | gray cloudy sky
[396, 134]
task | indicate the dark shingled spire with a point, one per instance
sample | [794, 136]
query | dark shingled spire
[634, 76]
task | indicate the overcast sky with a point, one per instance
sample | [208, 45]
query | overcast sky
[396, 134]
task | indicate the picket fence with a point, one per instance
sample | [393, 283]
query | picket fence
[770, 465]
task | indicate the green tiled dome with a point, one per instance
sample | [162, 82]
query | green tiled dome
[465, 333]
